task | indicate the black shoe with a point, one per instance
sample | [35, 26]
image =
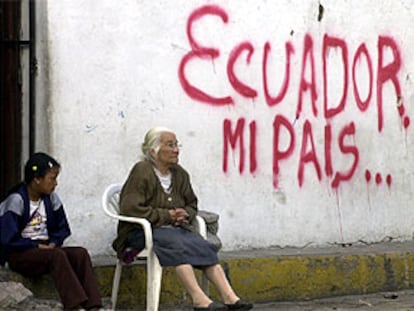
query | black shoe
[240, 305]
[214, 306]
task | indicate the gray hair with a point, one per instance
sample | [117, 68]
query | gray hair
[152, 141]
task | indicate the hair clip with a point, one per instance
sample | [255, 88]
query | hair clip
[34, 168]
[50, 164]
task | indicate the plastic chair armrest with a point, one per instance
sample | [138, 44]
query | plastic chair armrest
[202, 227]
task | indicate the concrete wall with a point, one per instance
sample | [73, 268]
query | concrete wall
[294, 115]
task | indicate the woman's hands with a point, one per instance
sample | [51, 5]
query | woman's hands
[179, 216]
[47, 246]
[182, 216]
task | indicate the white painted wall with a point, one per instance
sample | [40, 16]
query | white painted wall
[113, 74]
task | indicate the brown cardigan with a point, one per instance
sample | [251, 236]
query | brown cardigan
[143, 196]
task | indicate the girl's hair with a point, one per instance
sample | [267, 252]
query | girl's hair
[152, 141]
[38, 165]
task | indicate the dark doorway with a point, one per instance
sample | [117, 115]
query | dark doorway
[14, 85]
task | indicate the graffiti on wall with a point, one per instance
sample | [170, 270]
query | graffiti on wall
[383, 72]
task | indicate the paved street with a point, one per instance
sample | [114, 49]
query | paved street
[388, 301]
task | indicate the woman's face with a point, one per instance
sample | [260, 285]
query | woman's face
[48, 183]
[169, 150]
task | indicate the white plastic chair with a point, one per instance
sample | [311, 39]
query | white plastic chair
[110, 204]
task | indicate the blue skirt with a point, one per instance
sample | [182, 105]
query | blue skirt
[176, 246]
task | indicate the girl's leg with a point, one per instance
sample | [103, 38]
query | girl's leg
[30, 263]
[54, 261]
[82, 266]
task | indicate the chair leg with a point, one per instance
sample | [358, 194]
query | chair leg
[115, 283]
[154, 278]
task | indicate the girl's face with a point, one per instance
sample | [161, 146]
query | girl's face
[48, 183]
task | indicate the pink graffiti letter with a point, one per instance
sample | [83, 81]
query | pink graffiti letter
[362, 50]
[353, 150]
[305, 85]
[279, 154]
[232, 138]
[239, 86]
[201, 52]
[387, 72]
[271, 101]
[307, 156]
[253, 160]
[328, 147]
[328, 44]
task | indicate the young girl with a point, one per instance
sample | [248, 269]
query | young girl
[33, 226]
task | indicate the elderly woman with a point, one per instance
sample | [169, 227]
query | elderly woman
[159, 190]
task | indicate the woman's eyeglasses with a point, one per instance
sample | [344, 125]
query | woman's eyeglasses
[173, 145]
